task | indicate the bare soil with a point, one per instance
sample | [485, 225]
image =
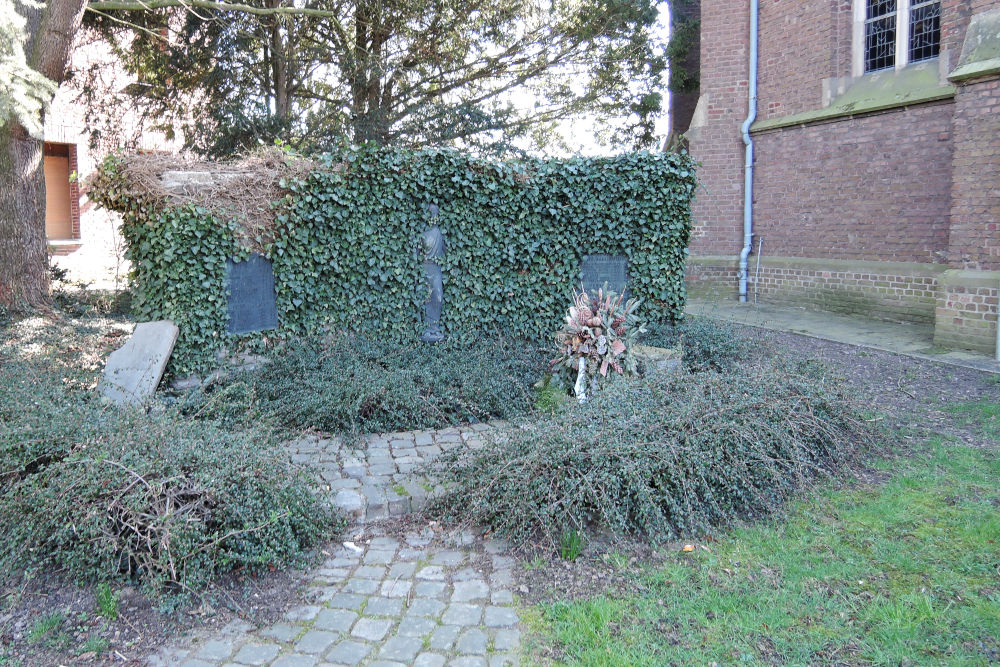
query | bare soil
[911, 394]
[142, 624]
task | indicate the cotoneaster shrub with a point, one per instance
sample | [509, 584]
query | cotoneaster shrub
[353, 385]
[345, 244]
[661, 456]
[708, 344]
[158, 499]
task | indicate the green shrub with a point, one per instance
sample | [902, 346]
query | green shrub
[161, 499]
[708, 343]
[47, 627]
[551, 396]
[662, 456]
[353, 385]
[83, 301]
[94, 644]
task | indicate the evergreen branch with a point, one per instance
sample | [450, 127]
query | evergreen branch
[143, 5]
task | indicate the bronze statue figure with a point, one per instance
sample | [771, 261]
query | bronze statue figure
[433, 241]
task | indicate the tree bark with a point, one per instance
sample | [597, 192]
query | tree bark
[24, 280]
[24, 277]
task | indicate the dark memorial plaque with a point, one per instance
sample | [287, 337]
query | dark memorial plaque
[252, 305]
[601, 269]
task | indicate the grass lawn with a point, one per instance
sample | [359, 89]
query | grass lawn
[905, 572]
[984, 413]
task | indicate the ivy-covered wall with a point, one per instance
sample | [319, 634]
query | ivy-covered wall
[346, 248]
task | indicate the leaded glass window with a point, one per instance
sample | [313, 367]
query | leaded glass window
[925, 29]
[880, 35]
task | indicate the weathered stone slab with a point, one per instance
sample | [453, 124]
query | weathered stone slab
[190, 182]
[660, 358]
[133, 371]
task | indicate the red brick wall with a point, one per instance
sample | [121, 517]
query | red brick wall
[955, 16]
[712, 279]
[718, 209]
[801, 44]
[974, 242]
[967, 317]
[74, 192]
[870, 188]
[917, 185]
[967, 305]
[896, 292]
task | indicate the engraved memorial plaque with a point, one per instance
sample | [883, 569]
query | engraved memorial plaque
[252, 305]
[601, 269]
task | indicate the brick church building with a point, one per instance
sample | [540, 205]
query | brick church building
[875, 142]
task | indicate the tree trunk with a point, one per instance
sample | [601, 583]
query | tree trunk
[279, 67]
[24, 281]
[24, 277]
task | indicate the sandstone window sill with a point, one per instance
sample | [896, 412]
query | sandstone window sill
[981, 49]
[915, 84]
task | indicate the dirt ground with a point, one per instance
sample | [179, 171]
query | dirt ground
[911, 394]
[141, 626]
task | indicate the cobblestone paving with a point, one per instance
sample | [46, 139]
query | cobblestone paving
[376, 480]
[388, 601]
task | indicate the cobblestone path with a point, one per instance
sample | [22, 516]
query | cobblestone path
[388, 601]
[377, 481]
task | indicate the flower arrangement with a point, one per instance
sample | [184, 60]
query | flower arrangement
[601, 329]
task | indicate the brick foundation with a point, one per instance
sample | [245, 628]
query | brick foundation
[712, 277]
[967, 310]
[63, 249]
[891, 291]
[961, 305]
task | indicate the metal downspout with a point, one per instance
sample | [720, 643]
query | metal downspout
[748, 141]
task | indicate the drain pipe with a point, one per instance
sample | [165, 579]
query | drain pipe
[748, 141]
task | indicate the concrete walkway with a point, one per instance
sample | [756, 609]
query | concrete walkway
[909, 339]
[423, 599]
